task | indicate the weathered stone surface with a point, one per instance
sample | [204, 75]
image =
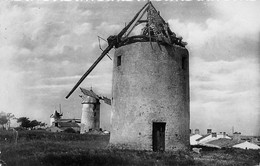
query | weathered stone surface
[150, 85]
[90, 118]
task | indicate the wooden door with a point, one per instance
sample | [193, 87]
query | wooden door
[159, 136]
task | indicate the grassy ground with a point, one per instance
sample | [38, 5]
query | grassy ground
[42, 148]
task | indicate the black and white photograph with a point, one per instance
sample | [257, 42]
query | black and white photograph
[129, 82]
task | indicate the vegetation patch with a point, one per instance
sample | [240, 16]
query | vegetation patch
[29, 135]
[61, 149]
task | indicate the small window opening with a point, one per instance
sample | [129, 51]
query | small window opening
[56, 124]
[95, 113]
[119, 60]
[183, 63]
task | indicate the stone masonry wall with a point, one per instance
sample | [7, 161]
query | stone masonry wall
[90, 118]
[150, 85]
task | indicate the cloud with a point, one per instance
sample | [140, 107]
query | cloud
[243, 14]
[225, 93]
[46, 47]
[107, 29]
[224, 67]
[30, 32]
[83, 29]
[233, 33]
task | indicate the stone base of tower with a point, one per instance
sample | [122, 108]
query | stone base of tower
[90, 118]
[141, 137]
[150, 108]
[134, 146]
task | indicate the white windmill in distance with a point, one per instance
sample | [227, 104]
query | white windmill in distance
[90, 118]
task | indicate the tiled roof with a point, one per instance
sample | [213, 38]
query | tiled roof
[68, 124]
[223, 142]
[69, 120]
[210, 145]
[247, 145]
[202, 137]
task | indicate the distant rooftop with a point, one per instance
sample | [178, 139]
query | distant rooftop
[223, 142]
[68, 124]
[202, 137]
[69, 120]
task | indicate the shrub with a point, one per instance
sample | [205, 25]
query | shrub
[69, 130]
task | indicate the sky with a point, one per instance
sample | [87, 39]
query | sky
[45, 47]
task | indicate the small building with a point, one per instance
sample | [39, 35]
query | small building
[222, 143]
[65, 125]
[60, 126]
[57, 124]
[246, 145]
[211, 137]
[237, 136]
[193, 139]
[255, 140]
[221, 140]
[229, 143]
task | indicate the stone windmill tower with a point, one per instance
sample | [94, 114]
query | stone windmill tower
[90, 118]
[55, 116]
[150, 89]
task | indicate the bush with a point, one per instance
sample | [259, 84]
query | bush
[69, 130]
[19, 128]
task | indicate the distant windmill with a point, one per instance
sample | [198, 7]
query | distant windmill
[90, 118]
[55, 116]
[150, 88]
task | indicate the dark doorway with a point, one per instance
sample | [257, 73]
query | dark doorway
[159, 136]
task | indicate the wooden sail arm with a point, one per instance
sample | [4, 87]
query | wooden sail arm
[90, 69]
[112, 42]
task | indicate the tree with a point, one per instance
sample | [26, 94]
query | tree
[34, 123]
[25, 122]
[9, 117]
[42, 124]
[3, 119]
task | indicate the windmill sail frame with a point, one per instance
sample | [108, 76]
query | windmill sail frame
[157, 30]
